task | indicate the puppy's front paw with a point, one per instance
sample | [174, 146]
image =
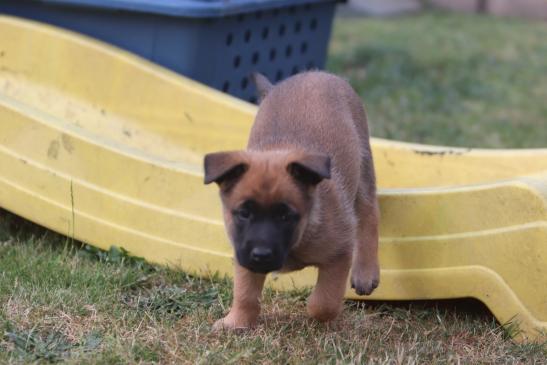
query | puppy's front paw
[323, 312]
[324, 308]
[365, 280]
[233, 322]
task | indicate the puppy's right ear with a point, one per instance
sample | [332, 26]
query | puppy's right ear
[224, 168]
[263, 86]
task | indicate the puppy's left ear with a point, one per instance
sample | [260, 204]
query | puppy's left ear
[310, 169]
[262, 84]
[224, 168]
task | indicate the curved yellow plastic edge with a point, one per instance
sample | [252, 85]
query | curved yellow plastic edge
[100, 145]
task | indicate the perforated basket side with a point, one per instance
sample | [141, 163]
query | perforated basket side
[278, 43]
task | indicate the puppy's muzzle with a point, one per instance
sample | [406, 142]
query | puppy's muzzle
[262, 255]
[260, 258]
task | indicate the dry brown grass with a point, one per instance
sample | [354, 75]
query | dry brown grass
[59, 302]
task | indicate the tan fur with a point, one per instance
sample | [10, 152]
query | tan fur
[246, 305]
[312, 112]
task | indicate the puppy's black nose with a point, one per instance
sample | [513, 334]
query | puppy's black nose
[261, 254]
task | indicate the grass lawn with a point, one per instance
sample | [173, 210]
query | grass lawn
[450, 80]
[433, 78]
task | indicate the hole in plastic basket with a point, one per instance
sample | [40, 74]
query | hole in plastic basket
[237, 61]
[252, 99]
[265, 32]
[276, 12]
[272, 54]
[303, 47]
[256, 58]
[288, 51]
[313, 24]
[258, 14]
[278, 75]
[244, 83]
[307, 7]
[294, 70]
[226, 86]
[229, 39]
[247, 35]
[282, 30]
[297, 27]
[240, 18]
[292, 10]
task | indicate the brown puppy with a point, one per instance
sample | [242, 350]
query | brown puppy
[303, 193]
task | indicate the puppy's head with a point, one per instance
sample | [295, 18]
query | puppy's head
[267, 198]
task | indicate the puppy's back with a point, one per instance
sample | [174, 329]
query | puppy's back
[315, 111]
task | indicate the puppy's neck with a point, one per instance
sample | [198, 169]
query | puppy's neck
[315, 220]
[315, 217]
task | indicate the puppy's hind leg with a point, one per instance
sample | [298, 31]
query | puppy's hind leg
[365, 271]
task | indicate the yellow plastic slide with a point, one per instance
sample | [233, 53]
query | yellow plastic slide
[98, 144]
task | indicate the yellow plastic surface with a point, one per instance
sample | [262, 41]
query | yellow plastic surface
[98, 144]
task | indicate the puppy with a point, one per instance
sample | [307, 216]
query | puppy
[302, 193]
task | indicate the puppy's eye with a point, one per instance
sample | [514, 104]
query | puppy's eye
[285, 214]
[244, 214]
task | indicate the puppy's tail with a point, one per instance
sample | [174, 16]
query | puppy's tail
[262, 84]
